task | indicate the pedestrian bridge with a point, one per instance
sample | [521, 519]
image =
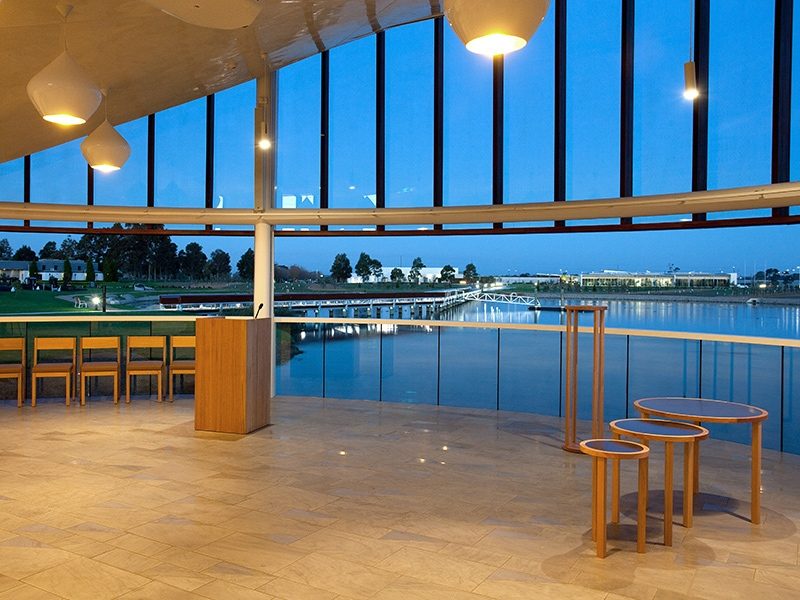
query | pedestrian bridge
[530, 301]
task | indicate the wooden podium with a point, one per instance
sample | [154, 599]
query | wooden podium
[232, 380]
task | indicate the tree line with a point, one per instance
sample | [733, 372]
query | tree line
[368, 267]
[151, 257]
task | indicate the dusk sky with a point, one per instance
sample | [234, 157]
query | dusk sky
[740, 108]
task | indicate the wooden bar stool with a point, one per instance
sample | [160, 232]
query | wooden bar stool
[181, 366]
[601, 450]
[15, 370]
[65, 369]
[149, 367]
[99, 368]
[669, 432]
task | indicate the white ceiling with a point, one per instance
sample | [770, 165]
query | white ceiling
[150, 60]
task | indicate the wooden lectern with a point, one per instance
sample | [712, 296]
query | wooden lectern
[232, 380]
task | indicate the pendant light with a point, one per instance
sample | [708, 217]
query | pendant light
[63, 92]
[690, 91]
[105, 149]
[496, 26]
[264, 143]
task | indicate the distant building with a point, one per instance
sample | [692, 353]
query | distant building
[427, 274]
[48, 267]
[537, 278]
[620, 279]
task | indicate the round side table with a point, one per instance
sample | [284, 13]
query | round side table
[669, 432]
[601, 450]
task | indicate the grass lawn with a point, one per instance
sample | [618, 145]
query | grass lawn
[30, 301]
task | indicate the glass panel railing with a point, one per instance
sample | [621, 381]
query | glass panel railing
[409, 364]
[352, 361]
[791, 400]
[299, 359]
[529, 371]
[468, 367]
[662, 367]
[744, 373]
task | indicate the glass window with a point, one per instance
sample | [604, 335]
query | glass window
[352, 125]
[234, 148]
[467, 124]
[409, 115]
[740, 93]
[529, 118]
[181, 155]
[12, 180]
[58, 174]
[593, 99]
[128, 186]
[662, 145]
[298, 143]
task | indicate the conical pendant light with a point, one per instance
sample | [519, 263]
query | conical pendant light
[105, 149]
[62, 92]
[496, 26]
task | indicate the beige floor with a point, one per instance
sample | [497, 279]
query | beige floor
[357, 500]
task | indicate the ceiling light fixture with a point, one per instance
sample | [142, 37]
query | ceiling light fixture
[105, 149]
[63, 92]
[690, 91]
[264, 143]
[496, 27]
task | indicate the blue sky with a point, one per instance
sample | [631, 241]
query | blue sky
[740, 105]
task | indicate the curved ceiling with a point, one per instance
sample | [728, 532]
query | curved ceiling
[149, 60]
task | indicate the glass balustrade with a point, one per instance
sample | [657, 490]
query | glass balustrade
[523, 369]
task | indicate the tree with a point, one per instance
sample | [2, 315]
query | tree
[397, 275]
[376, 269]
[471, 273]
[192, 261]
[341, 269]
[90, 274]
[67, 278]
[25, 253]
[50, 250]
[110, 269]
[364, 266]
[69, 248]
[246, 265]
[33, 269]
[219, 264]
[416, 270]
[447, 274]
[5, 250]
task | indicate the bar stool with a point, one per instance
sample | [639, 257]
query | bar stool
[669, 432]
[601, 450]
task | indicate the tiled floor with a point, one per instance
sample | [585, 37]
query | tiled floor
[356, 500]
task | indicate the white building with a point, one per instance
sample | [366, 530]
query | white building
[48, 267]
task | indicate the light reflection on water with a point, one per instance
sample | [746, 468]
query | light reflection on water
[703, 317]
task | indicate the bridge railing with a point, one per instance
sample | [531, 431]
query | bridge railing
[520, 367]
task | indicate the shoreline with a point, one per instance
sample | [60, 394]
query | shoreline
[645, 297]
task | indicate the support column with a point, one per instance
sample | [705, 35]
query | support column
[265, 124]
[263, 273]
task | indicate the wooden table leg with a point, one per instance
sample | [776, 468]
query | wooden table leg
[755, 476]
[601, 508]
[615, 490]
[595, 487]
[688, 483]
[668, 460]
[697, 464]
[641, 513]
